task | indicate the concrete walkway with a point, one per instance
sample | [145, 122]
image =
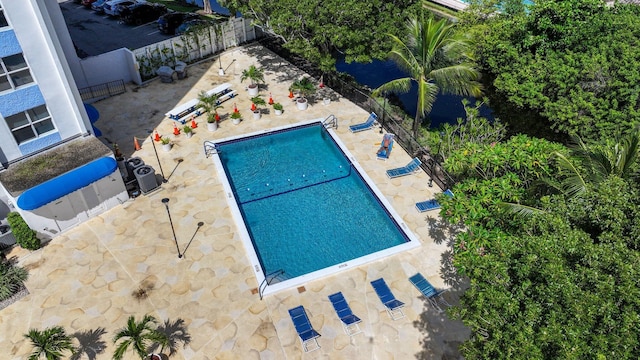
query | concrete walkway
[124, 262]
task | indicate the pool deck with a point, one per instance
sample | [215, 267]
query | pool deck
[85, 278]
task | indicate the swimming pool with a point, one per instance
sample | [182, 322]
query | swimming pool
[303, 205]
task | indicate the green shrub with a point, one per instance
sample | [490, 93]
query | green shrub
[11, 279]
[25, 236]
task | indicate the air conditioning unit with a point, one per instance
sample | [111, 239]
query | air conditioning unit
[146, 177]
[132, 164]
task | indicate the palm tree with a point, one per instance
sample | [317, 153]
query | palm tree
[51, 343]
[210, 105]
[12, 278]
[587, 166]
[437, 58]
[590, 165]
[140, 335]
[254, 74]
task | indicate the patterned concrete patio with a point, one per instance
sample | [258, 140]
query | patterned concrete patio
[86, 279]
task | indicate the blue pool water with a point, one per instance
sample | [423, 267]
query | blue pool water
[304, 205]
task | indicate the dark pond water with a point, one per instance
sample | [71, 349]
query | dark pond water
[446, 109]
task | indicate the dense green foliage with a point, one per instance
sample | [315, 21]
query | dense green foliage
[12, 278]
[570, 66]
[50, 343]
[562, 282]
[320, 30]
[25, 236]
[436, 57]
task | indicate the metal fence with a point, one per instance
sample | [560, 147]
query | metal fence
[102, 91]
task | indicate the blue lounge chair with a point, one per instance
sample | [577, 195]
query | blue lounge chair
[365, 125]
[303, 327]
[385, 147]
[424, 286]
[411, 167]
[393, 305]
[349, 321]
[431, 204]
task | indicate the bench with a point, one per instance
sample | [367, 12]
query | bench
[226, 96]
[182, 110]
[183, 120]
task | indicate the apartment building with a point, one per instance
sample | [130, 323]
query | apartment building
[53, 170]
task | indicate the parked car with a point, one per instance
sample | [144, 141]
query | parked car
[142, 13]
[97, 6]
[88, 3]
[190, 24]
[168, 23]
[113, 7]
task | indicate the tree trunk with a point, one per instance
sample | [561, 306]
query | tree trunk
[416, 125]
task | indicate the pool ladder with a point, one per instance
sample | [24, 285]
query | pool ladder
[268, 279]
[209, 148]
[330, 121]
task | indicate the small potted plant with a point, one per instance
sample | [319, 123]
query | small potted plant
[256, 101]
[255, 76]
[236, 117]
[188, 131]
[166, 143]
[277, 108]
[304, 87]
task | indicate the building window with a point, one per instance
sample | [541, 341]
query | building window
[14, 72]
[30, 124]
[3, 20]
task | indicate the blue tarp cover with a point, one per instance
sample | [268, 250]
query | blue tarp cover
[93, 113]
[67, 183]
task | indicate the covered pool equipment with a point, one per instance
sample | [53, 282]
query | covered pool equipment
[67, 183]
[73, 197]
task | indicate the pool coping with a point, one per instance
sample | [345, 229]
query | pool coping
[250, 251]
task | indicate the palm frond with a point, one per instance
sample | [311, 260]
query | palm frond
[519, 209]
[574, 184]
[398, 85]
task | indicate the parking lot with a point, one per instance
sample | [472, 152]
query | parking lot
[95, 34]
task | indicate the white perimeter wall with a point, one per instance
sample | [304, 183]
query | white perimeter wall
[115, 65]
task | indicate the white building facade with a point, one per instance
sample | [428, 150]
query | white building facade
[42, 116]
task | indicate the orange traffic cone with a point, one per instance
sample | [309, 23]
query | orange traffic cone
[156, 137]
[290, 94]
[194, 124]
[176, 131]
[253, 107]
[270, 99]
[136, 145]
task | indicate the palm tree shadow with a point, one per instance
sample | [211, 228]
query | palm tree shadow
[443, 335]
[176, 333]
[91, 344]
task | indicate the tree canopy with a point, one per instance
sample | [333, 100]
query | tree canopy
[562, 282]
[322, 30]
[568, 65]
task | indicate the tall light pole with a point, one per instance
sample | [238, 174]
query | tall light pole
[165, 201]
